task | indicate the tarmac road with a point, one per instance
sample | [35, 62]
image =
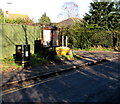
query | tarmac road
[97, 83]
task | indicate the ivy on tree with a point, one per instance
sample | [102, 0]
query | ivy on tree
[44, 19]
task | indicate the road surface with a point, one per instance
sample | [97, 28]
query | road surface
[97, 83]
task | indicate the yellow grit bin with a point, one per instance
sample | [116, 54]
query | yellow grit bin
[62, 50]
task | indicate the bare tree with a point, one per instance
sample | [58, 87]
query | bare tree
[69, 9]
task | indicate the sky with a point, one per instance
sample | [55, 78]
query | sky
[35, 8]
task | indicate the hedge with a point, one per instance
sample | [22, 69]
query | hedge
[11, 35]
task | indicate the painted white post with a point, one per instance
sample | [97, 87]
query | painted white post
[66, 40]
[62, 40]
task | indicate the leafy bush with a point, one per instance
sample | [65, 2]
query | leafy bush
[78, 36]
[37, 59]
[18, 21]
[102, 38]
[83, 37]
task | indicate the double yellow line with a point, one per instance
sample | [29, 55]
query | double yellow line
[8, 91]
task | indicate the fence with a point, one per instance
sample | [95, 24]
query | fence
[11, 35]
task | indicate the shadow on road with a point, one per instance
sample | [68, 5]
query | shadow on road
[93, 84]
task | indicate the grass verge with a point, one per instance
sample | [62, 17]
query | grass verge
[8, 64]
[96, 49]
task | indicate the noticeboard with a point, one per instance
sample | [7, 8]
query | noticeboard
[46, 38]
[50, 37]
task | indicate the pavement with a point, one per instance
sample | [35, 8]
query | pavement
[86, 58]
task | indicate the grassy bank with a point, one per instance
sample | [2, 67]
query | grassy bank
[8, 63]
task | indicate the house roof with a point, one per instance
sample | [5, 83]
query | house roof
[69, 21]
[14, 16]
